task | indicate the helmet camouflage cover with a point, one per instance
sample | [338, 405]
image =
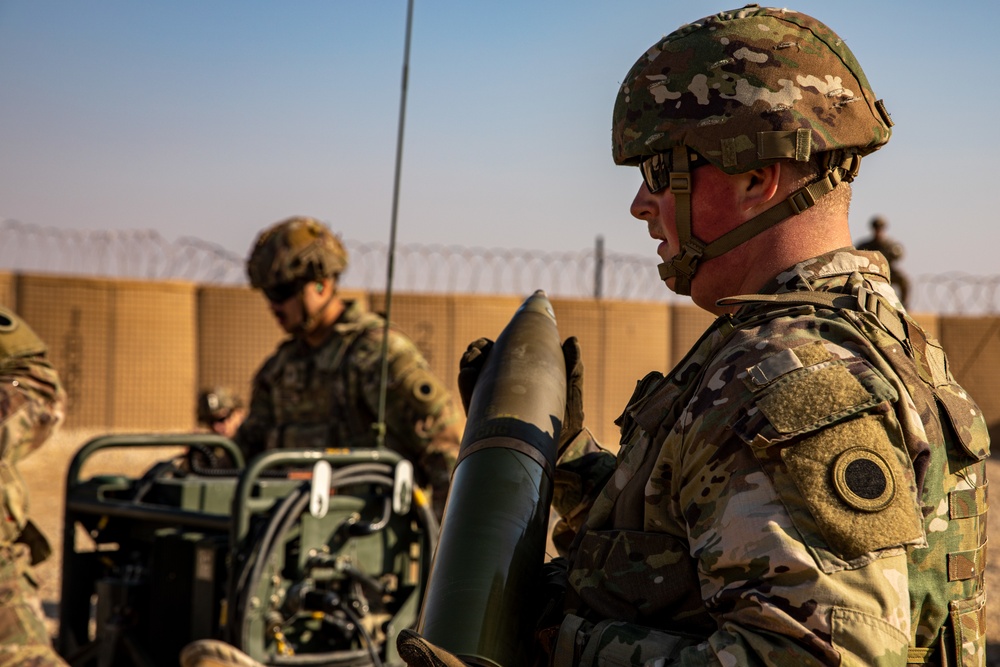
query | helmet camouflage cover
[216, 404]
[16, 338]
[296, 249]
[745, 87]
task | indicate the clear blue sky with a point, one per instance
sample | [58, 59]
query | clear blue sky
[214, 119]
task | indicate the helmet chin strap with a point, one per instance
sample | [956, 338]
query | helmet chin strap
[682, 266]
[838, 166]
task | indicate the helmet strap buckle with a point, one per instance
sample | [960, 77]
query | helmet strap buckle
[687, 261]
[847, 164]
[801, 199]
[680, 183]
[684, 263]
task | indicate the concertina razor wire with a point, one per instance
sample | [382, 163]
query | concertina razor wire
[419, 268]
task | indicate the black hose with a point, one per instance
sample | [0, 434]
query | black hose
[281, 522]
[251, 570]
[266, 549]
[149, 478]
[376, 660]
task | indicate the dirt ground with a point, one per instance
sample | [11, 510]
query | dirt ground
[45, 474]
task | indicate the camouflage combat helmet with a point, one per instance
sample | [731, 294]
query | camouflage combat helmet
[298, 249]
[16, 338]
[217, 404]
[740, 90]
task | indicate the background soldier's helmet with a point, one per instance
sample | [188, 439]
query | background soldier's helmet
[217, 404]
[298, 249]
[16, 337]
[745, 87]
[878, 222]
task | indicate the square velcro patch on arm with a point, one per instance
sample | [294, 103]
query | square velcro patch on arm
[806, 388]
[821, 394]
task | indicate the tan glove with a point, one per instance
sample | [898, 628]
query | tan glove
[418, 652]
[214, 653]
[573, 417]
[470, 366]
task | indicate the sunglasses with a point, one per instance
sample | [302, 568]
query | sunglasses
[283, 292]
[218, 419]
[656, 171]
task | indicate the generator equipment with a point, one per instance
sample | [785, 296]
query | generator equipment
[298, 557]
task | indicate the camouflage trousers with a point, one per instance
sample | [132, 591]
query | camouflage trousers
[24, 641]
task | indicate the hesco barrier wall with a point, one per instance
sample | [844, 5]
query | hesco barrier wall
[124, 349]
[973, 347]
[133, 354]
[7, 296]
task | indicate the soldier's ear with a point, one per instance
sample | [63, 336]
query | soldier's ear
[319, 288]
[759, 187]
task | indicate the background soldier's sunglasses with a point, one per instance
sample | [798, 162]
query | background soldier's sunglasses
[283, 292]
[656, 169]
[218, 419]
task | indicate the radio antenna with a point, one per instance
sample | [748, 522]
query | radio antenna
[380, 427]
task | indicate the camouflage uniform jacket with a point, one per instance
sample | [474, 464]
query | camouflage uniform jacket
[806, 487]
[328, 396]
[31, 409]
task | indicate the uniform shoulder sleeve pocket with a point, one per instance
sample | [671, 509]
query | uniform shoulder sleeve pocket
[821, 428]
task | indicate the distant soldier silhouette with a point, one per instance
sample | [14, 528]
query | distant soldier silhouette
[893, 252]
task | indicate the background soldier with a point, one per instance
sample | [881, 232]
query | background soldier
[892, 251]
[321, 387]
[31, 408]
[807, 486]
[220, 410]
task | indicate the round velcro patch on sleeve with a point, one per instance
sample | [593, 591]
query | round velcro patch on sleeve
[864, 480]
[856, 482]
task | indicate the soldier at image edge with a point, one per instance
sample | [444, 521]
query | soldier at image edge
[807, 486]
[321, 387]
[31, 409]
